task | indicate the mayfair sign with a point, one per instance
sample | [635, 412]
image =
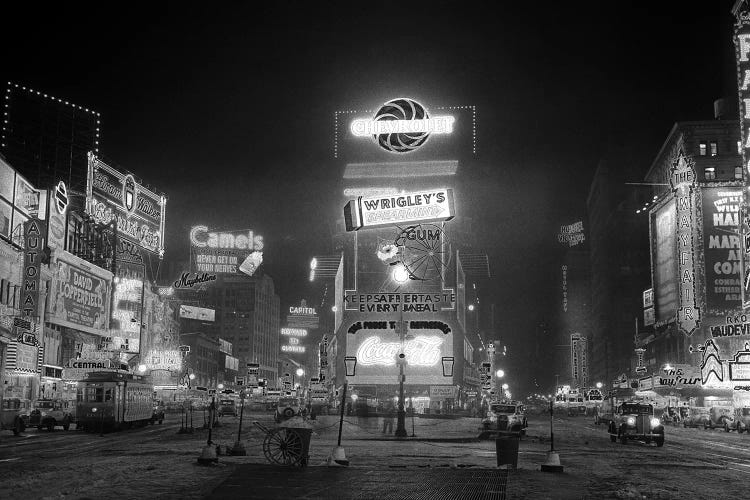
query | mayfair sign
[421, 206]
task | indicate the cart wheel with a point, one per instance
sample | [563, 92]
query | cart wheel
[283, 447]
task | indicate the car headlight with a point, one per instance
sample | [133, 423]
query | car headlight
[655, 422]
[631, 421]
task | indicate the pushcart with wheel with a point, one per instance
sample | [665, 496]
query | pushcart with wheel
[286, 446]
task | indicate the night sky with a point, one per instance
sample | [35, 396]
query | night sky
[227, 108]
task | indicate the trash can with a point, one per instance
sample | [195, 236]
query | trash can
[305, 434]
[506, 447]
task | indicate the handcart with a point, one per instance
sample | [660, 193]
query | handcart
[287, 446]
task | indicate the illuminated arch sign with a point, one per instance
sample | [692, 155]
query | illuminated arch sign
[401, 125]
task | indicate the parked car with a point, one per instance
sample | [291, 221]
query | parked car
[697, 417]
[740, 422]
[50, 413]
[12, 412]
[506, 416]
[287, 408]
[633, 420]
[719, 417]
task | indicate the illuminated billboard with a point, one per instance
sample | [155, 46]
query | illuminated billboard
[199, 313]
[664, 261]
[404, 208]
[721, 250]
[127, 306]
[137, 211]
[404, 128]
[376, 346]
[79, 297]
[225, 252]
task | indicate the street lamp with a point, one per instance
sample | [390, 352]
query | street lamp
[598, 385]
[500, 373]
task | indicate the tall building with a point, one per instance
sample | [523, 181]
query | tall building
[247, 316]
[619, 259]
[695, 256]
[47, 139]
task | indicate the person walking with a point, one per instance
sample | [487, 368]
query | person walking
[390, 414]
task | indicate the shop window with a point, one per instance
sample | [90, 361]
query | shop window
[709, 173]
[702, 149]
[738, 173]
[714, 148]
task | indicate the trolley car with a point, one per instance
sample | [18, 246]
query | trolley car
[113, 401]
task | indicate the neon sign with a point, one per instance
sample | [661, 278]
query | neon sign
[682, 179]
[200, 237]
[401, 125]
[294, 332]
[293, 348]
[420, 206]
[421, 351]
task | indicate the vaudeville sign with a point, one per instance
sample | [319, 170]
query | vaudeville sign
[404, 208]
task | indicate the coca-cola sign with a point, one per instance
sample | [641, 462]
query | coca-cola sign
[377, 343]
[420, 351]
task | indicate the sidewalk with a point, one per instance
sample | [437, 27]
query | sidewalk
[266, 481]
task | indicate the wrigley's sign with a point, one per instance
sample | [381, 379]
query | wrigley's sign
[405, 208]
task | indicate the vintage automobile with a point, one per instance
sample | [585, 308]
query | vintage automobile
[506, 416]
[740, 422]
[634, 420]
[12, 412]
[227, 407]
[720, 417]
[287, 408]
[697, 417]
[50, 413]
[576, 406]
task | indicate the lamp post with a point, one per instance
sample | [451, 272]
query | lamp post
[401, 360]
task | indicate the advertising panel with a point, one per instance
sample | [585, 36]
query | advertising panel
[34, 237]
[376, 346]
[664, 261]
[18, 201]
[741, 12]
[721, 249]
[405, 129]
[401, 209]
[225, 252]
[199, 313]
[138, 212]
[80, 295]
[127, 306]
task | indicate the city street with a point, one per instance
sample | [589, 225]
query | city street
[692, 464]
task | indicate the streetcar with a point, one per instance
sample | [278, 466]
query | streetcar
[113, 401]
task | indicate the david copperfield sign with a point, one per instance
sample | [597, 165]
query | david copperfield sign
[80, 296]
[137, 211]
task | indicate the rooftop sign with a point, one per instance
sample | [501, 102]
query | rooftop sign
[405, 208]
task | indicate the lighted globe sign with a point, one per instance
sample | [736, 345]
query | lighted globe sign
[402, 125]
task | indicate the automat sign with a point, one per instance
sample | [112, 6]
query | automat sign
[404, 208]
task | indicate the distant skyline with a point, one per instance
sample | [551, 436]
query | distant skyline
[228, 108]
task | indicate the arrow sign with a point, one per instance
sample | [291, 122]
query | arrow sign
[688, 319]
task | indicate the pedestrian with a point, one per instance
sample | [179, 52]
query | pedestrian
[388, 420]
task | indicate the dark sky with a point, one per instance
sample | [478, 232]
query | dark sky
[227, 107]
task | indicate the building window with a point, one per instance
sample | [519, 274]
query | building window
[738, 173]
[702, 149]
[714, 148]
[739, 147]
[710, 173]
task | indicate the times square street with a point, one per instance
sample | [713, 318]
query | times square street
[75, 464]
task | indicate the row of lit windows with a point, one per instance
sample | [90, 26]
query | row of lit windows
[709, 173]
[704, 148]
